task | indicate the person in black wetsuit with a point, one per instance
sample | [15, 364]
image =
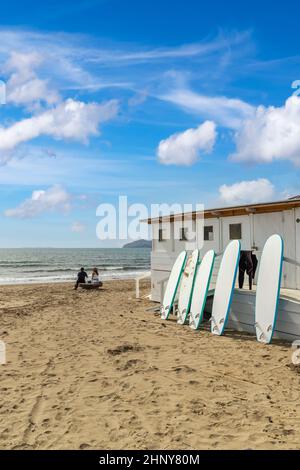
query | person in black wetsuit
[81, 277]
[248, 264]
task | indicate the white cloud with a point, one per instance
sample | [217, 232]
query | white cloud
[80, 61]
[77, 227]
[244, 192]
[183, 148]
[204, 48]
[228, 112]
[71, 119]
[271, 134]
[54, 198]
[24, 87]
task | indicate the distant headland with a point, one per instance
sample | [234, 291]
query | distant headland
[139, 244]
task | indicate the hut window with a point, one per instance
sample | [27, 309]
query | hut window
[208, 233]
[235, 231]
[183, 234]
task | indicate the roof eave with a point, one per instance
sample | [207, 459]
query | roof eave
[259, 208]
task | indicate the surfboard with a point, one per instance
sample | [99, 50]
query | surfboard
[172, 285]
[225, 287]
[186, 287]
[201, 287]
[268, 288]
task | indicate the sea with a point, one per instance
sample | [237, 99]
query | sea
[42, 265]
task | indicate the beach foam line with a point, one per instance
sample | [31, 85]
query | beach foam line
[56, 279]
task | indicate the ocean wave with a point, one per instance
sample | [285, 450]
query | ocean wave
[75, 270]
[54, 279]
[54, 270]
[123, 268]
[13, 264]
[32, 280]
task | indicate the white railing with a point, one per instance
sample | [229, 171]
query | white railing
[137, 283]
[291, 261]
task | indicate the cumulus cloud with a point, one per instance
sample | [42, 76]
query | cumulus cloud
[55, 198]
[183, 148]
[77, 227]
[24, 87]
[71, 119]
[244, 192]
[271, 134]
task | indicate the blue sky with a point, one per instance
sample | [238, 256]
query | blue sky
[165, 102]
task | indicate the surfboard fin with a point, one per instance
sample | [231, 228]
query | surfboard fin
[296, 357]
[181, 315]
[164, 311]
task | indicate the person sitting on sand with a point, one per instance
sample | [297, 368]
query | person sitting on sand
[95, 276]
[81, 276]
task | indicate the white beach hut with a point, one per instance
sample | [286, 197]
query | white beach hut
[252, 224]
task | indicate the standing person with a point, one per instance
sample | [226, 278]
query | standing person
[81, 277]
[248, 264]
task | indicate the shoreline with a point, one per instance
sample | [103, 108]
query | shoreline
[70, 281]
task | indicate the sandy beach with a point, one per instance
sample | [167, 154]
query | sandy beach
[95, 370]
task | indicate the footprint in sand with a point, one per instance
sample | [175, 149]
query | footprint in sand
[124, 348]
[130, 364]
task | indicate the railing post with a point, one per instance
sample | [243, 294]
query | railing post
[161, 292]
[137, 284]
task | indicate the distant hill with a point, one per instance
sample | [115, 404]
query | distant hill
[139, 244]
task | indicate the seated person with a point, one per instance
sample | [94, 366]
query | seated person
[95, 276]
[81, 276]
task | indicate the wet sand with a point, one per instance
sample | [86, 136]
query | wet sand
[94, 369]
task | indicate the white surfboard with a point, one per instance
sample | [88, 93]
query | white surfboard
[268, 288]
[186, 287]
[201, 287]
[172, 285]
[224, 287]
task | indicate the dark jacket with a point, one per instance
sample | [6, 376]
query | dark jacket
[81, 276]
